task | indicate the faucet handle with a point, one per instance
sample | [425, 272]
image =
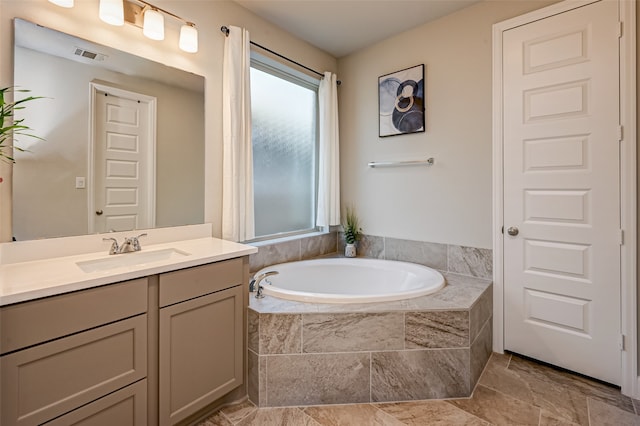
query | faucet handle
[136, 242]
[114, 245]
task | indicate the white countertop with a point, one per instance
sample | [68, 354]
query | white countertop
[29, 280]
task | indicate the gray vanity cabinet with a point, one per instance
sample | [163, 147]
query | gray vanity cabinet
[156, 350]
[69, 351]
[200, 337]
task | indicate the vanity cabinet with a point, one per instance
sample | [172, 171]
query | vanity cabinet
[201, 337]
[63, 352]
[159, 350]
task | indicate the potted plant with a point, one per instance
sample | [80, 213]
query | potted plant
[352, 232]
[10, 129]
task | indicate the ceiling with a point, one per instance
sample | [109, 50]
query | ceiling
[341, 27]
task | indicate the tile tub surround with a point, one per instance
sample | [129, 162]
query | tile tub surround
[434, 346]
[471, 261]
[293, 250]
[511, 391]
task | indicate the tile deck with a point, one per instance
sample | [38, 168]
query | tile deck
[434, 346]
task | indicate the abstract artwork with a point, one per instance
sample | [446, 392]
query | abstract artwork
[401, 102]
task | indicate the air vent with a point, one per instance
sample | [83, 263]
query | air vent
[89, 55]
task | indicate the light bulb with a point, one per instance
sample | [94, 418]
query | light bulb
[112, 12]
[189, 38]
[153, 26]
[63, 3]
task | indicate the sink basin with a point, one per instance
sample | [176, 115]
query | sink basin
[130, 259]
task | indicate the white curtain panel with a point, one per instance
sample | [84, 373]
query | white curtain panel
[329, 161]
[237, 163]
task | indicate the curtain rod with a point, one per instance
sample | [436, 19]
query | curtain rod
[225, 31]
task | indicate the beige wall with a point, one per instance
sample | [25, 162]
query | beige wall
[209, 16]
[451, 201]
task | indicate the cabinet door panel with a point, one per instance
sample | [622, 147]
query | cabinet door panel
[126, 407]
[200, 352]
[48, 380]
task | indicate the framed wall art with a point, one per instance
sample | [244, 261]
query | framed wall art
[401, 102]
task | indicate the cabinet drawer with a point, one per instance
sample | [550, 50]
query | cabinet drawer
[45, 381]
[29, 323]
[126, 407]
[186, 284]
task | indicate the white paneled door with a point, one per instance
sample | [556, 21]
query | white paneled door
[562, 232]
[121, 177]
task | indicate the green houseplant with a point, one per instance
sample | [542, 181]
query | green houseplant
[352, 232]
[10, 128]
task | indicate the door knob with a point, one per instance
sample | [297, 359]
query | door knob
[513, 231]
[99, 212]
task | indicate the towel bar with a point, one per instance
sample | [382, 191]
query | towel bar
[428, 162]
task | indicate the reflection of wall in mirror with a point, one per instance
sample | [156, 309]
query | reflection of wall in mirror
[46, 201]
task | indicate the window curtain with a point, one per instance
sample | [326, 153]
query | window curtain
[237, 163]
[329, 153]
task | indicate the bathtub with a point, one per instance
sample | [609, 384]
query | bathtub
[345, 280]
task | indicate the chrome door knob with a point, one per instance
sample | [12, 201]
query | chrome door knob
[513, 231]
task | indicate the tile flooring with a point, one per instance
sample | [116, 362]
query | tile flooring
[511, 391]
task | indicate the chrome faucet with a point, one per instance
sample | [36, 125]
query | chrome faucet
[126, 246]
[136, 242]
[129, 245]
[114, 245]
[254, 284]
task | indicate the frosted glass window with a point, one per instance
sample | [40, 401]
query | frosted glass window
[284, 135]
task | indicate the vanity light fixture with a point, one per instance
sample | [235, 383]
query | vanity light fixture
[112, 12]
[63, 3]
[153, 26]
[150, 18]
[189, 38]
[144, 15]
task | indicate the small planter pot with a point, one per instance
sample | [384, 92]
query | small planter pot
[350, 250]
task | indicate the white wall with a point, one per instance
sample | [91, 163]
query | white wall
[209, 16]
[449, 202]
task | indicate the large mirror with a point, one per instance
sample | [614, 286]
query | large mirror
[122, 139]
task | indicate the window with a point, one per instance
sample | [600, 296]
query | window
[284, 114]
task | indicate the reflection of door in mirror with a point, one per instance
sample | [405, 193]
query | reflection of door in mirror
[122, 194]
[53, 180]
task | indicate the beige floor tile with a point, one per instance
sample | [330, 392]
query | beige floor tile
[548, 419]
[555, 398]
[436, 413]
[601, 414]
[237, 412]
[500, 360]
[498, 408]
[278, 417]
[530, 370]
[636, 405]
[346, 415]
[216, 419]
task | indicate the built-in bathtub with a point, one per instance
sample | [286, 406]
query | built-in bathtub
[348, 280]
[422, 347]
